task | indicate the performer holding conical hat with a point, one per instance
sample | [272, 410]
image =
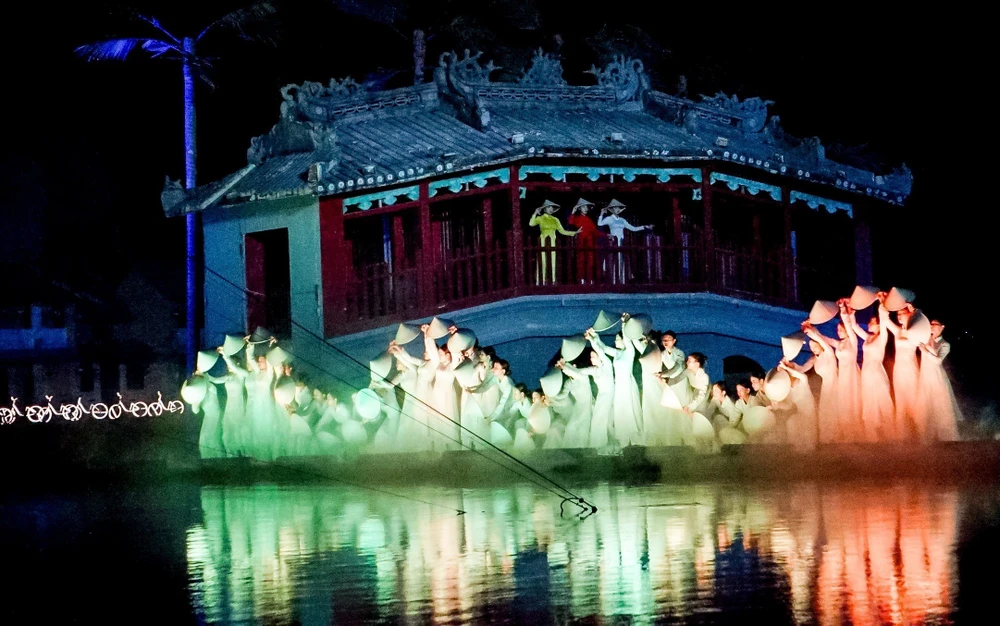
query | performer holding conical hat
[445, 417]
[617, 225]
[602, 371]
[235, 425]
[801, 426]
[627, 418]
[578, 427]
[877, 410]
[548, 225]
[824, 361]
[905, 369]
[586, 242]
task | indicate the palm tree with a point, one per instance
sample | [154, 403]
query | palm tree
[164, 44]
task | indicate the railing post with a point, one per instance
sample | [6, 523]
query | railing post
[484, 264]
[426, 278]
[708, 239]
[516, 248]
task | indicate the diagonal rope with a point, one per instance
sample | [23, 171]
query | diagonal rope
[572, 497]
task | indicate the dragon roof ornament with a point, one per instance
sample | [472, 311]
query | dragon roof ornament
[457, 79]
[627, 76]
[751, 111]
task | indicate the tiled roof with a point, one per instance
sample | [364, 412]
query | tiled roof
[338, 138]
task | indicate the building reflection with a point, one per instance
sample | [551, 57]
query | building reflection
[826, 554]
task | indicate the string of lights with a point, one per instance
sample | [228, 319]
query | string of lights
[43, 413]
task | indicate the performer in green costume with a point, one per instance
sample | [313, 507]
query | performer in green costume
[549, 225]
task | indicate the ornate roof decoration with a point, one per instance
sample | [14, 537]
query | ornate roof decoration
[752, 111]
[457, 78]
[464, 121]
[625, 75]
[545, 69]
[312, 99]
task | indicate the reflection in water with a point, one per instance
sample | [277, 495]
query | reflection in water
[795, 554]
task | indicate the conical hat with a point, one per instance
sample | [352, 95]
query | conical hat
[466, 374]
[499, 436]
[284, 391]
[898, 298]
[380, 366]
[260, 335]
[551, 382]
[669, 398]
[540, 418]
[548, 203]
[276, 356]
[823, 311]
[207, 359]
[637, 326]
[919, 328]
[863, 297]
[368, 404]
[232, 345]
[777, 384]
[573, 347]
[439, 327]
[194, 389]
[581, 202]
[792, 344]
[758, 420]
[406, 333]
[461, 341]
[701, 428]
[614, 204]
[730, 436]
[605, 322]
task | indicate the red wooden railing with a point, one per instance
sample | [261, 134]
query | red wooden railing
[460, 278]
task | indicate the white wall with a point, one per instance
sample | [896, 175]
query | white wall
[225, 230]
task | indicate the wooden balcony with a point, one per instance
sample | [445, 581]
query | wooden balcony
[380, 295]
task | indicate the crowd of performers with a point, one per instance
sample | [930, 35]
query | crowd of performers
[639, 388]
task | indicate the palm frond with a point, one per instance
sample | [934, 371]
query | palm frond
[240, 18]
[155, 23]
[157, 48]
[119, 49]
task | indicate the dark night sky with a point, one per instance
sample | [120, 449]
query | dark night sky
[86, 146]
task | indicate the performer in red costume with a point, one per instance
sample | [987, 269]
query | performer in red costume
[586, 241]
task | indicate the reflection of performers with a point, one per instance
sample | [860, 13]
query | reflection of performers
[617, 225]
[586, 243]
[549, 225]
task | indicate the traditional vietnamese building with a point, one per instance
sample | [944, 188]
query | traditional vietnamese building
[360, 210]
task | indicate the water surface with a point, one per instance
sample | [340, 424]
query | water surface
[898, 553]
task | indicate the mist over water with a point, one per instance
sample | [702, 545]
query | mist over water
[831, 553]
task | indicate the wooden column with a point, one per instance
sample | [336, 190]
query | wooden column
[678, 255]
[426, 282]
[336, 263]
[863, 274]
[708, 238]
[791, 297]
[516, 235]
